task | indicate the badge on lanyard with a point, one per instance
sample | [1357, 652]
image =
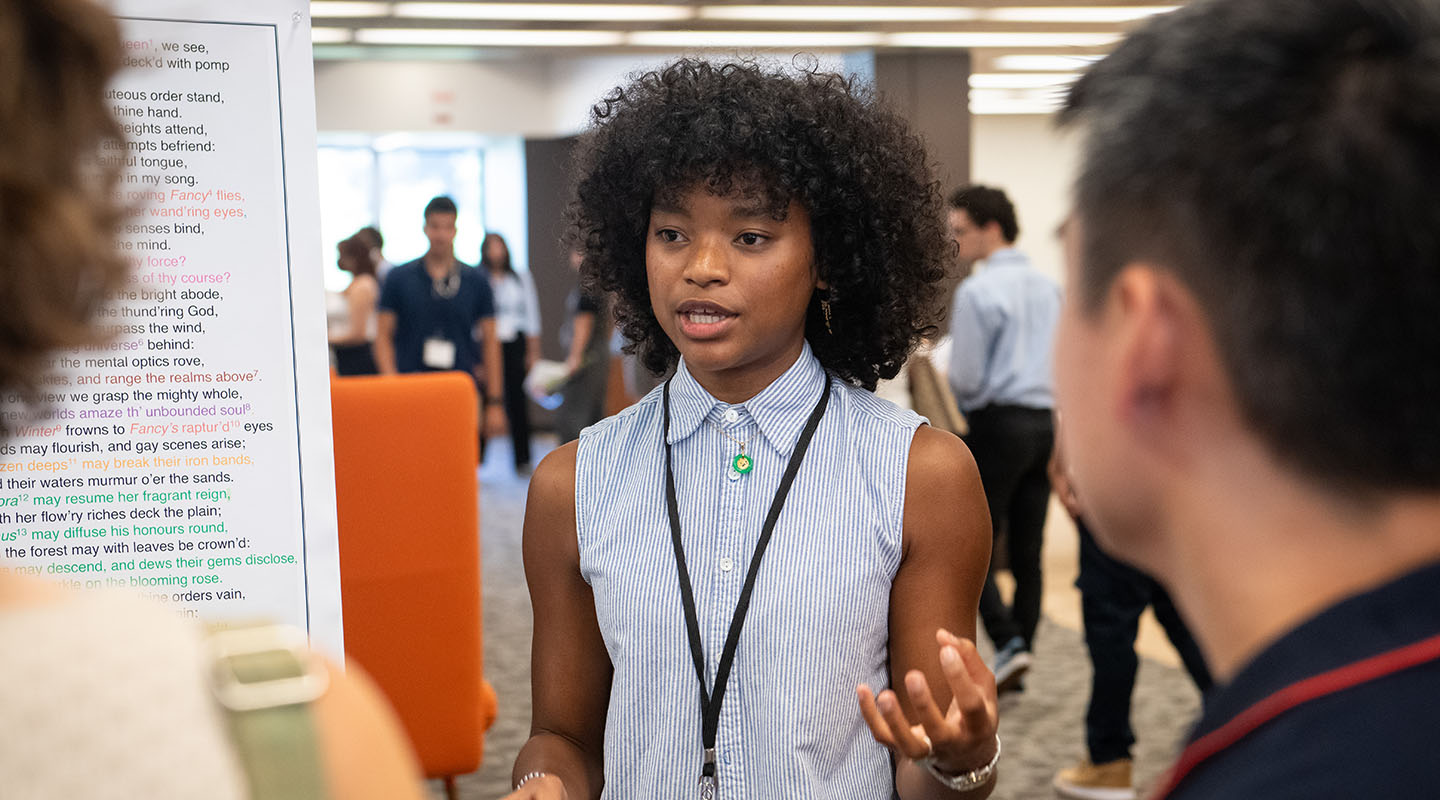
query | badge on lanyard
[711, 700]
[438, 353]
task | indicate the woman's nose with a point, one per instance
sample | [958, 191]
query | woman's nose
[705, 264]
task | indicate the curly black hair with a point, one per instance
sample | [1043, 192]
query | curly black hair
[818, 138]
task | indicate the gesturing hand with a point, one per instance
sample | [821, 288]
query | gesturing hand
[960, 738]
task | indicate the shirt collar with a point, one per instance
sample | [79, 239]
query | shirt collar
[1006, 256]
[780, 409]
[1396, 614]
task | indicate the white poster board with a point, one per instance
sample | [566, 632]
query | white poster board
[189, 459]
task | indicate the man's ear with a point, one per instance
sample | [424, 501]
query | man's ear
[1151, 321]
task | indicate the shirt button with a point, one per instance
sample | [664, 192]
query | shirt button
[732, 474]
[726, 564]
[731, 415]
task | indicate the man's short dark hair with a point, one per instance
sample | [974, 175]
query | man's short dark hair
[440, 205]
[1279, 158]
[986, 204]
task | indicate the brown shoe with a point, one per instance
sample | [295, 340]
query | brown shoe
[1086, 781]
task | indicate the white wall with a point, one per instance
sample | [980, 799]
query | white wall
[541, 97]
[495, 97]
[1024, 155]
[578, 83]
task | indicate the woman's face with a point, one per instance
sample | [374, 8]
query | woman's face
[730, 285]
[346, 263]
[495, 251]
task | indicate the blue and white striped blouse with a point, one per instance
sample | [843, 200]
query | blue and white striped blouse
[819, 618]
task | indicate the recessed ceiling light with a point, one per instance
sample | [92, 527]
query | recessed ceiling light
[787, 13]
[984, 39]
[1021, 80]
[548, 12]
[1043, 63]
[336, 8]
[488, 38]
[998, 101]
[752, 39]
[1074, 13]
[329, 35]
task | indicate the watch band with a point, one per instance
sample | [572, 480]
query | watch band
[266, 677]
[529, 776]
[965, 781]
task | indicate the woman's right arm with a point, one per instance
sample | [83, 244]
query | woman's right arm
[570, 669]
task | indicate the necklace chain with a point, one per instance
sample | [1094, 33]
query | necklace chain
[727, 435]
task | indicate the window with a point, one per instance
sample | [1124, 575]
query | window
[386, 181]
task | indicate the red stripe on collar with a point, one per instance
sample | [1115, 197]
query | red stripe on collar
[1312, 688]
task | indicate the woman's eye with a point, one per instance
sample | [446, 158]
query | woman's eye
[667, 235]
[751, 239]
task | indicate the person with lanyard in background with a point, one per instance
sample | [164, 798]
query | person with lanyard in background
[761, 579]
[1002, 329]
[1248, 373]
[517, 326]
[434, 310]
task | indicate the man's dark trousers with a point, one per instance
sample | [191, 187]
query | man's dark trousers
[1113, 596]
[1012, 445]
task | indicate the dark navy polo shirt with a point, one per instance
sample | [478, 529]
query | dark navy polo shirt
[1360, 683]
[421, 313]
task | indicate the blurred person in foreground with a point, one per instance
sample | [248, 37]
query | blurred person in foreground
[103, 695]
[1248, 367]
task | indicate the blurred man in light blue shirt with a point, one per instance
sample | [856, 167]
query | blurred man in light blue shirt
[1002, 329]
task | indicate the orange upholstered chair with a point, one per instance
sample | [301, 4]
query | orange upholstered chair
[405, 451]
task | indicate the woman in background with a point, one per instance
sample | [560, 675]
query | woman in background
[350, 314]
[517, 324]
[586, 337]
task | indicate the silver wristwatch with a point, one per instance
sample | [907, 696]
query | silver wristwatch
[965, 781]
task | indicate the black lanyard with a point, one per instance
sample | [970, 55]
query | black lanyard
[710, 704]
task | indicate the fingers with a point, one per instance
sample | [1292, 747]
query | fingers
[876, 723]
[888, 725]
[907, 741]
[971, 683]
[932, 718]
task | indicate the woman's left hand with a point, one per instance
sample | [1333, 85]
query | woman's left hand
[960, 738]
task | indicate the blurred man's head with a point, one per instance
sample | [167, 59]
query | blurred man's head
[57, 219]
[981, 220]
[440, 216]
[1265, 170]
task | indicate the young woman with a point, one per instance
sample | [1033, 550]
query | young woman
[517, 324]
[729, 576]
[350, 314]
